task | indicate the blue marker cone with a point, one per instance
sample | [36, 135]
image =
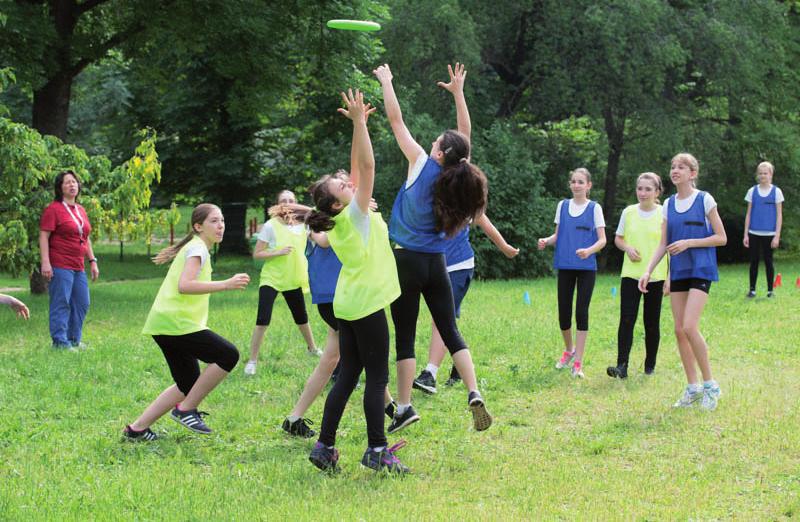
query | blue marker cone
[526, 297]
[613, 291]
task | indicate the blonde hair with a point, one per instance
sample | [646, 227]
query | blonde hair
[690, 161]
[585, 173]
[656, 179]
[199, 215]
[768, 165]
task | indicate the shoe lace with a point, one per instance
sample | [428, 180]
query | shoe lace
[389, 453]
[306, 423]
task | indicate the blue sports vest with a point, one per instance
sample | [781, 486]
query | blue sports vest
[458, 249]
[413, 225]
[574, 233]
[693, 262]
[323, 272]
[764, 213]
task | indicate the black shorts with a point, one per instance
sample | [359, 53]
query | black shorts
[326, 312]
[183, 351]
[684, 285]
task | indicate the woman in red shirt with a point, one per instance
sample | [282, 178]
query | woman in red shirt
[64, 242]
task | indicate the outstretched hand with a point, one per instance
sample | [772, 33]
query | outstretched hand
[383, 73]
[457, 77]
[355, 109]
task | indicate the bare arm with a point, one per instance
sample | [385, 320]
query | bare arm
[362, 147]
[93, 268]
[18, 306]
[778, 224]
[411, 149]
[496, 237]
[597, 246]
[44, 248]
[456, 87]
[746, 239]
[262, 252]
[320, 238]
[188, 283]
[661, 249]
[718, 238]
[633, 254]
[548, 241]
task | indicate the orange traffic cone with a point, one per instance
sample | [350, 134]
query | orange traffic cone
[797, 283]
[778, 281]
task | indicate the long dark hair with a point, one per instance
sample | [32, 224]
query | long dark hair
[199, 215]
[321, 218]
[461, 191]
[59, 192]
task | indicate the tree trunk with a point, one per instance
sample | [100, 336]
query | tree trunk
[51, 106]
[615, 133]
[235, 239]
[38, 284]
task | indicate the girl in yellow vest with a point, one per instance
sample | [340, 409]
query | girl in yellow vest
[638, 236]
[177, 322]
[282, 245]
[367, 284]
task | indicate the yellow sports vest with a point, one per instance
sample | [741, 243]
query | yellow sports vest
[290, 271]
[368, 280]
[174, 313]
[644, 235]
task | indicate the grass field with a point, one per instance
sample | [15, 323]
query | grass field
[559, 448]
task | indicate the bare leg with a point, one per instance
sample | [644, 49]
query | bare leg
[436, 349]
[462, 360]
[305, 329]
[695, 303]
[207, 381]
[678, 302]
[320, 376]
[580, 344]
[405, 379]
[387, 397]
[255, 341]
[158, 408]
[567, 335]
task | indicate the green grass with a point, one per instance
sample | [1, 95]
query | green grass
[559, 448]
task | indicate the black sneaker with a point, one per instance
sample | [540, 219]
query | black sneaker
[324, 458]
[751, 294]
[770, 294]
[454, 379]
[619, 371]
[384, 459]
[425, 382]
[390, 409]
[400, 421]
[649, 371]
[298, 428]
[145, 435]
[481, 419]
[191, 419]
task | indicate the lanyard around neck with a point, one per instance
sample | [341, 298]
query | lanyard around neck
[77, 219]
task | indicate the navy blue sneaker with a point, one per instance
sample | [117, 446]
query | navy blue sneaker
[191, 419]
[390, 409]
[385, 459]
[146, 435]
[401, 420]
[298, 428]
[324, 458]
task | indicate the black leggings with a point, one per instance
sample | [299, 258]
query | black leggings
[294, 298]
[326, 312]
[629, 311]
[363, 345]
[763, 245]
[426, 274]
[183, 351]
[566, 287]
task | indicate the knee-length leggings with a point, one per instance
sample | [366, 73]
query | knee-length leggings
[183, 351]
[423, 274]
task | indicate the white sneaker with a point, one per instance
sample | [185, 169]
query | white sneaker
[710, 397]
[250, 368]
[689, 398]
[316, 352]
[577, 370]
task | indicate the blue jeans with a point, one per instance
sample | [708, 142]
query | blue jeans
[69, 302]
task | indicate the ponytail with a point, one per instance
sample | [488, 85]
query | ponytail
[459, 195]
[320, 219]
[199, 215]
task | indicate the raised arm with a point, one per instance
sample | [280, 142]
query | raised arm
[354, 173]
[411, 149]
[456, 87]
[497, 238]
[356, 110]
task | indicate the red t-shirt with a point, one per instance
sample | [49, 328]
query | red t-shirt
[67, 247]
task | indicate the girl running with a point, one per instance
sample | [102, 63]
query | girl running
[580, 233]
[762, 225]
[177, 322]
[460, 260]
[638, 235]
[281, 244]
[367, 284]
[690, 232]
[442, 193]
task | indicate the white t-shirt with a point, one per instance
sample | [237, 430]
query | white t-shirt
[763, 194]
[415, 169]
[198, 251]
[682, 205]
[576, 210]
[267, 233]
[642, 214]
[360, 219]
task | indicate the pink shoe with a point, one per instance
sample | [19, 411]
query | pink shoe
[577, 370]
[566, 358]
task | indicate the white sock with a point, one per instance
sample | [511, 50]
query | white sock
[378, 449]
[401, 408]
[292, 418]
[710, 384]
[695, 387]
[432, 369]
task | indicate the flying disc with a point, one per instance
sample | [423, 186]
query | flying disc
[354, 25]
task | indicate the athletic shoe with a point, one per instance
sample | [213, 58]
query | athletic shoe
[384, 459]
[316, 352]
[620, 371]
[751, 294]
[481, 419]
[770, 294]
[577, 370]
[401, 420]
[80, 345]
[64, 347]
[323, 457]
[454, 379]
[298, 428]
[649, 371]
[425, 382]
[566, 358]
[689, 398]
[390, 409]
[250, 368]
[710, 397]
[132, 435]
[191, 419]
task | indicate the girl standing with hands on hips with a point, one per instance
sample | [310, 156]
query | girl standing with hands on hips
[690, 232]
[177, 322]
[762, 225]
[638, 235]
[580, 233]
